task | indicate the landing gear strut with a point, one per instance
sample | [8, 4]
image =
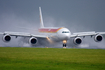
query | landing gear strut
[64, 43]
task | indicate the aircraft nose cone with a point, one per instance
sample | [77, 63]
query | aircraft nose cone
[67, 36]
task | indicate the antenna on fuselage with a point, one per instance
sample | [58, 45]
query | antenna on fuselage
[41, 18]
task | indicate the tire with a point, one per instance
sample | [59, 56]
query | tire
[64, 45]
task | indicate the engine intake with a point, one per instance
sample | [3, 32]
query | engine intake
[98, 38]
[77, 40]
[33, 40]
[6, 38]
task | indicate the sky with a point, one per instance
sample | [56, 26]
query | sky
[76, 15]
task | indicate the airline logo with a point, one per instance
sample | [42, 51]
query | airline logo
[49, 30]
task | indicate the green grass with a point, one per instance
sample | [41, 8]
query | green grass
[14, 58]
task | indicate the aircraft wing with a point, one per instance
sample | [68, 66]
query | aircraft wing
[22, 34]
[82, 34]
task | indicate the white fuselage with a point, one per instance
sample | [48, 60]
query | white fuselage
[56, 34]
[63, 34]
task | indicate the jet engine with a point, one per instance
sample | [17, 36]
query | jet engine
[6, 38]
[77, 40]
[98, 38]
[33, 40]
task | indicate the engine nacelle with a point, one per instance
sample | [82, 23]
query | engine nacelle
[77, 40]
[33, 40]
[98, 38]
[6, 38]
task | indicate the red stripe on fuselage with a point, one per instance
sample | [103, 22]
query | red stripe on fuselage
[49, 30]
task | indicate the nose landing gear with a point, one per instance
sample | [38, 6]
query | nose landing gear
[64, 43]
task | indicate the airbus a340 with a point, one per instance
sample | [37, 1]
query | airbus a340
[54, 34]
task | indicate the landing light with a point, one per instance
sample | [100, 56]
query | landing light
[49, 39]
[64, 41]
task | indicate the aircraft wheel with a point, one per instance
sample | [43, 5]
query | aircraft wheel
[64, 45]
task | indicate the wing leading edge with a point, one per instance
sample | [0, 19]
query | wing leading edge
[82, 34]
[22, 34]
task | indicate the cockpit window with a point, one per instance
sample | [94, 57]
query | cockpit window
[65, 32]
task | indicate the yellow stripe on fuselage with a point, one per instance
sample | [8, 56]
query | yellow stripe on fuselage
[45, 30]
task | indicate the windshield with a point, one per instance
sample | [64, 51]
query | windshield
[65, 31]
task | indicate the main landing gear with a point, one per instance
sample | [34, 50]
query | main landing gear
[64, 43]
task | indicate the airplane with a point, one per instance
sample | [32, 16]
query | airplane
[52, 34]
